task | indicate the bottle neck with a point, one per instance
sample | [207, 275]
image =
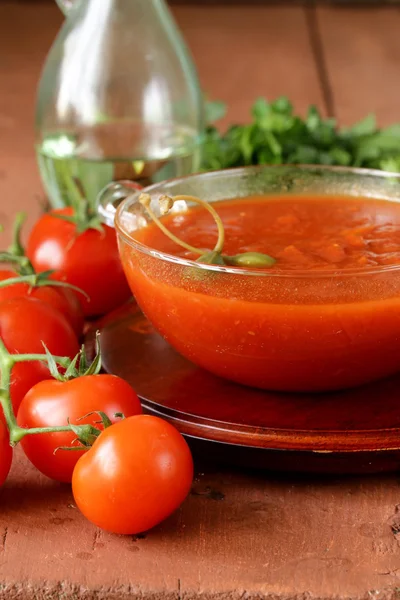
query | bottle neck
[67, 5]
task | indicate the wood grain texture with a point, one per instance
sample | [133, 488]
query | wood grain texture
[362, 56]
[239, 535]
[26, 33]
[243, 54]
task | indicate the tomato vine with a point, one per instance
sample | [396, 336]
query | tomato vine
[85, 433]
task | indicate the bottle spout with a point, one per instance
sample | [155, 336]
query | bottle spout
[111, 197]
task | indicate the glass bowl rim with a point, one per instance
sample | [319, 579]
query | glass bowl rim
[283, 273]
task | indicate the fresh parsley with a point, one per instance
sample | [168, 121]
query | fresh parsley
[278, 136]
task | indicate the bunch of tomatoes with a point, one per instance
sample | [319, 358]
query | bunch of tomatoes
[128, 470]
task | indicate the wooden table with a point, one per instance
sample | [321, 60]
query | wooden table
[239, 535]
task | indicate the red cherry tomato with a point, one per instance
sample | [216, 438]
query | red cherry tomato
[24, 324]
[135, 475]
[89, 260]
[6, 453]
[63, 299]
[11, 291]
[52, 403]
[24, 377]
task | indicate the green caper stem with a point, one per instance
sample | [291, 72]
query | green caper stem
[167, 202]
[212, 257]
[145, 200]
[218, 221]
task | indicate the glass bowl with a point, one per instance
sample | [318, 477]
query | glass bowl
[288, 330]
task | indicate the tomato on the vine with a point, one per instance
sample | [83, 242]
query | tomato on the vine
[136, 474]
[6, 453]
[88, 260]
[12, 291]
[24, 324]
[63, 299]
[53, 403]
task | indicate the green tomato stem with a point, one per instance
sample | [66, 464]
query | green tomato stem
[30, 280]
[7, 361]
[84, 215]
[61, 360]
[39, 280]
[8, 411]
[6, 364]
[24, 265]
[16, 248]
[17, 433]
[86, 433]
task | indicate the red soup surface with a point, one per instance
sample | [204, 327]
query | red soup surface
[325, 316]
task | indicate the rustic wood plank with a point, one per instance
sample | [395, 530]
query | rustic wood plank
[26, 34]
[239, 534]
[243, 54]
[362, 55]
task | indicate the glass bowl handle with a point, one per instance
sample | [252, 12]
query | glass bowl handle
[112, 195]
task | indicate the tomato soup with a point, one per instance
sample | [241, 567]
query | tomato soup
[325, 316]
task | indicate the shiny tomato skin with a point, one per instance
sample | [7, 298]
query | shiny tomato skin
[11, 291]
[89, 260]
[63, 299]
[66, 302]
[52, 403]
[24, 324]
[24, 377]
[6, 452]
[137, 473]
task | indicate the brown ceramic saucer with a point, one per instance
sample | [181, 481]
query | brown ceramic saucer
[353, 431]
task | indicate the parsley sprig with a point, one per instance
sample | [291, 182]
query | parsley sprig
[278, 136]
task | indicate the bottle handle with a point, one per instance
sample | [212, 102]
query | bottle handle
[112, 195]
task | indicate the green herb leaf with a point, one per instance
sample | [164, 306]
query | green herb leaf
[214, 111]
[390, 164]
[282, 105]
[364, 127]
[261, 109]
[277, 136]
